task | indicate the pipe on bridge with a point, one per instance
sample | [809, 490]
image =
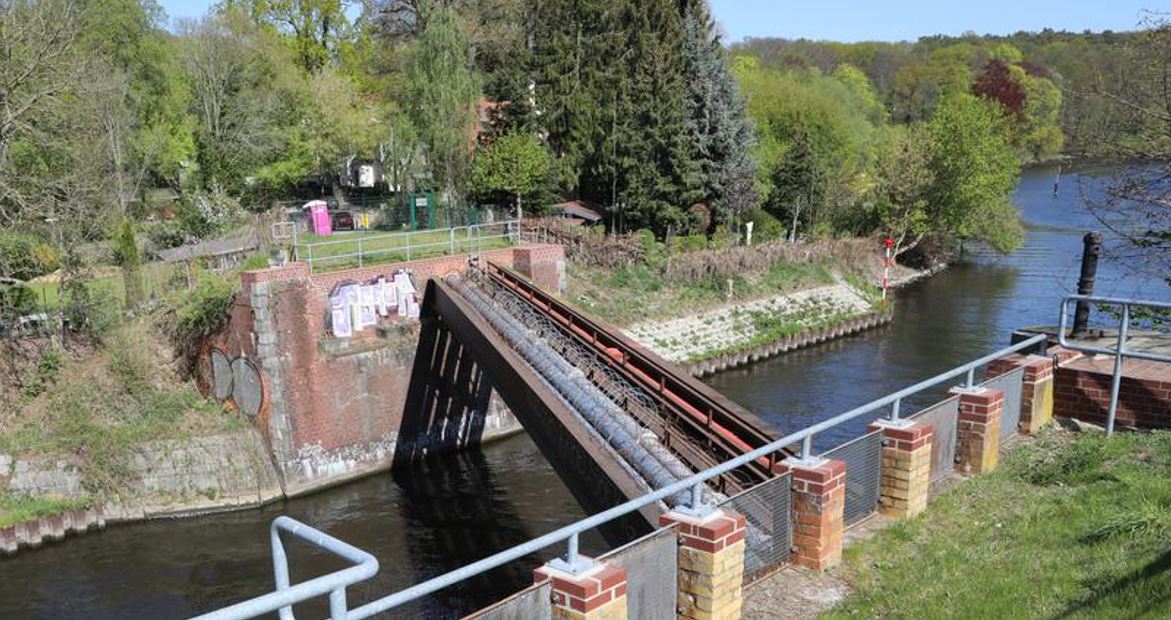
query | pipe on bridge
[639, 447]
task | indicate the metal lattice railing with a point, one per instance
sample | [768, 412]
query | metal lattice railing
[863, 459]
[767, 507]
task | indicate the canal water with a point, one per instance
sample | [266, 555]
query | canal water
[445, 514]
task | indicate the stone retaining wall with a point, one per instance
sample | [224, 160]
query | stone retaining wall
[812, 337]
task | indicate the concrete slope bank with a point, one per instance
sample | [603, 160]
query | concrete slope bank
[746, 332]
[165, 479]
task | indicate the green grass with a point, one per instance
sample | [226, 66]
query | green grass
[631, 294]
[380, 247]
[155, 276]
[19, 508]
[1070, 526]
[100, 409]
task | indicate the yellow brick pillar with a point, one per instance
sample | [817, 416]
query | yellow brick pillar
[1037, 383]
[1037, 393]
[978, 434]
[596, 593]
[711, 563]
[906, 466]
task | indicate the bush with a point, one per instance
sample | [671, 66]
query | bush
[655, 252]
[16, 300]
[690, 243]
[130, 359]
[206, 214]
[45, 374]
[199, 312]
[25, 256]
[765, 227]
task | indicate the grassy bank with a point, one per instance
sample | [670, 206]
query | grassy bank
[1071, 526]
[628, 295]
[20, 508]
[96, 406]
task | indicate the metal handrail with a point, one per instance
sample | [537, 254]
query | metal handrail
[1119, 352]
[286, 595]
[470, 235]
[571, 532]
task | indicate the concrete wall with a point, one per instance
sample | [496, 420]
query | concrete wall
[166, 478]
[333, 409]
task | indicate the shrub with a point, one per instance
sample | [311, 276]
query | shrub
[45, 373]
[765, 227]
[130, 359]
[199, 312]
[16, 300]
[25, 256]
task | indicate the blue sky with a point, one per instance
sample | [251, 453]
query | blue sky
[889, 20]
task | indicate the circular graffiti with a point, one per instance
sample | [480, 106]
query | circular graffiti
[247, 389]
[221, 375]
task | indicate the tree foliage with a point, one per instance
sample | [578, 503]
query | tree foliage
[516, 164]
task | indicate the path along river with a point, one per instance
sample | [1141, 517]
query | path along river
[445, 514]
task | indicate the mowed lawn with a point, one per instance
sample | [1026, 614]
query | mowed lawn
[1070, 526]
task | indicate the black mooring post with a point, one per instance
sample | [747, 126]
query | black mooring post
[1092, 249]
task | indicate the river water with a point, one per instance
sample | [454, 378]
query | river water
[448, 513]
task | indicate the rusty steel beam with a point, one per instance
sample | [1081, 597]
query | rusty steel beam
[594, 473]
[713, 428]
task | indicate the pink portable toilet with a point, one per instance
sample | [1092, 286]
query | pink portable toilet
[319, 218]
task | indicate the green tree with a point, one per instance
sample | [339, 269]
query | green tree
[902, 179]
[975, 171]
[721, 134]
[126, 255]
[441, 93]
[516, 164]
[313, 29]
[660, 176]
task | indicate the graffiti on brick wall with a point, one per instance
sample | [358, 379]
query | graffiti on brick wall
[354, 307]
[237, 381]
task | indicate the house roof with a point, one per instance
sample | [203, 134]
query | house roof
[246, 242]
[580, 210]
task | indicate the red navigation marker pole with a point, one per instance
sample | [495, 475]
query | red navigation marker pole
[890, 244]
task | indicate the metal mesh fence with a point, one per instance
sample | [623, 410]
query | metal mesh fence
[651, 564]
[532, 603]
[944, 418]
[863, 459]
[768, 509]
[1012, 384]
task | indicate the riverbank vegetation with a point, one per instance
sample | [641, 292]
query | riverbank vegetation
[1071, 526]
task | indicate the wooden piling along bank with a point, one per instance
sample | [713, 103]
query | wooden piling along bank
[34, 532]
[753, 354]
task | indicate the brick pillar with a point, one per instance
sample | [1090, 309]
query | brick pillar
[598, 593]
[819, 503]
[1037, 384]
[906, 467]
[711, 564]
[978, 434]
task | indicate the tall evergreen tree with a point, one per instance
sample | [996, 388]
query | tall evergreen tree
[721, 134]
[660, 175]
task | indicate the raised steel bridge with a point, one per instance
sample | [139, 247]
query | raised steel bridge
[613, 419]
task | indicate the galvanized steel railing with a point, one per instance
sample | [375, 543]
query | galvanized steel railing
[570, 533]
[360, 248]
[1119, 351]
[282, 600]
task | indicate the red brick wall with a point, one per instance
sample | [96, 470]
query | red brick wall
[341, 402]
[1144, 397]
